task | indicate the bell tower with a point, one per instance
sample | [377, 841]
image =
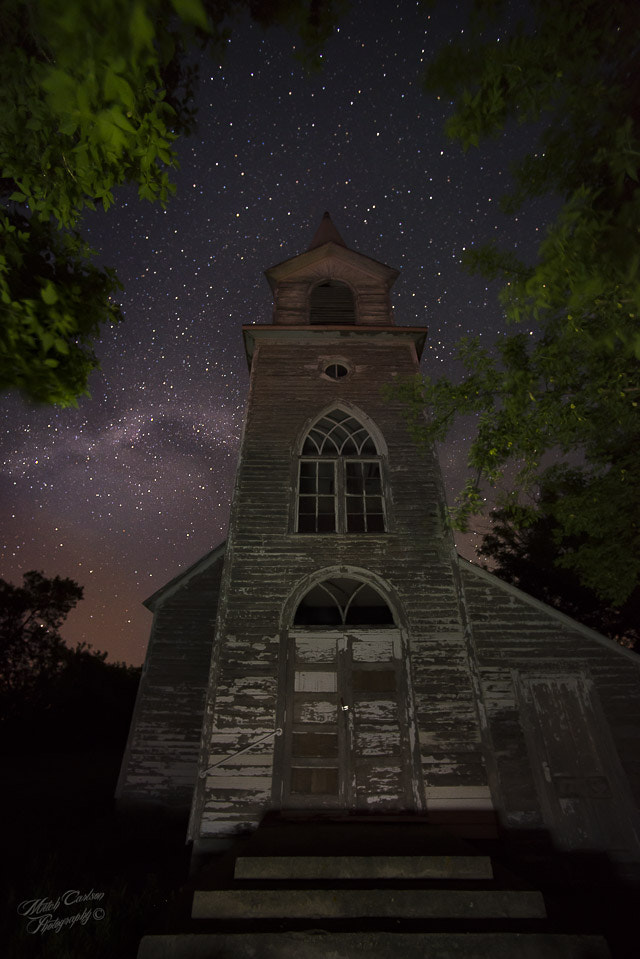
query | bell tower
[341, 681]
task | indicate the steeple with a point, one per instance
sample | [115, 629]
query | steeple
[326, 233]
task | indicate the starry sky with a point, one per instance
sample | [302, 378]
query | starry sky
[135, 485]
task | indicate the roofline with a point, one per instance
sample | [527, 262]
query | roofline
[298, 262]
[555, 613]
[184, 576]
[251, 331]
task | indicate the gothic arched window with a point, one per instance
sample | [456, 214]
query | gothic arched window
[331, 302]
[343, 601]
[340, 478]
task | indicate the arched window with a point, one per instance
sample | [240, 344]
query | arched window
[340, 479]
[331, 302]
[343, 601]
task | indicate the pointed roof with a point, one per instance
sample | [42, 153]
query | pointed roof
[326, 244]
[326, 233]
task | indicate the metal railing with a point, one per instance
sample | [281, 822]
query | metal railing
[262, 739]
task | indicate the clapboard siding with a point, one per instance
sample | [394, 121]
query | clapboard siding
[160, 761]
[514, 633]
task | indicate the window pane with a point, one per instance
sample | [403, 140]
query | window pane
[354, 478]
[330, 448]
[307, 504]
[307, 485]
[372, 482]
[369, 447]
[326, 505]
[374, 680]
[325, 469]
[314, 745]
[339, 433]
[315, 781]
[326, 523]
[307, 469]
[310, 448]
[306, 524]
[355, 523]
[375, 523]
[373, 504]
[326, 486]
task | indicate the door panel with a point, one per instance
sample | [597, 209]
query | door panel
[346, 736]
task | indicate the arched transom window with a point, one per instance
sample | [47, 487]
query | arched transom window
[340, 479]
[343, 601]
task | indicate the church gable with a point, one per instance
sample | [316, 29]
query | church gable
[159, 765]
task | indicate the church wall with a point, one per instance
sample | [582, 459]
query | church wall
[517, 638]
[266, 558]
[160, 762]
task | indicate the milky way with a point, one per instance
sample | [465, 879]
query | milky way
[135, 485]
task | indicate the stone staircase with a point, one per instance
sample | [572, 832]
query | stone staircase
[340, 890]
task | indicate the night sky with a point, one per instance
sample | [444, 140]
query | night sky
[135, 485]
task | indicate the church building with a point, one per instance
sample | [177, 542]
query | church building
[335, 658]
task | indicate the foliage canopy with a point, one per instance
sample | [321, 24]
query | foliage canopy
[568, 385]
[526, 555]
[31, 647]
[93, 95]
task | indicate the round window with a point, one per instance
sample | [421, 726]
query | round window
[336, 370]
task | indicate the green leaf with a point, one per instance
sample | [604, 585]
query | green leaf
[49, 294]
[141, 27]
[192, 11]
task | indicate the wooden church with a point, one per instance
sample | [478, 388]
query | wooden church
[336, 660]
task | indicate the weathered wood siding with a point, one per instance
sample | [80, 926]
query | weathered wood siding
[160, 762]
[517, 639]
[373, 307]
[266, 558]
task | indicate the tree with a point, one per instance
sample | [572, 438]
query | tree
[32, 650]
[51, 693]
[92, 96]
[525, 554]
[565, 378]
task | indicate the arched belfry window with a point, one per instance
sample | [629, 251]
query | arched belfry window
[343, 601]
[332, 302]
[340, 478]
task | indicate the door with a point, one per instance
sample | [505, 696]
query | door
[345, 723]
[584, 794]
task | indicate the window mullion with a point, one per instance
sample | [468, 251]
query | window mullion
[341, 494]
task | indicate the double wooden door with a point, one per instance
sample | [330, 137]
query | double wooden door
[583, 790]
[345, 722]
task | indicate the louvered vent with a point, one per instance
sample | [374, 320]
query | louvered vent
[332, 302]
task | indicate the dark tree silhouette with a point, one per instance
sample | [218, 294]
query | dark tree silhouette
[530, 555]
[32, 650]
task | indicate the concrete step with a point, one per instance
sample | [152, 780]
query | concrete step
[366, 903]
[363, 867]
[315, 944]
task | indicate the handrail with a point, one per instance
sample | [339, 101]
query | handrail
[276, 732]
